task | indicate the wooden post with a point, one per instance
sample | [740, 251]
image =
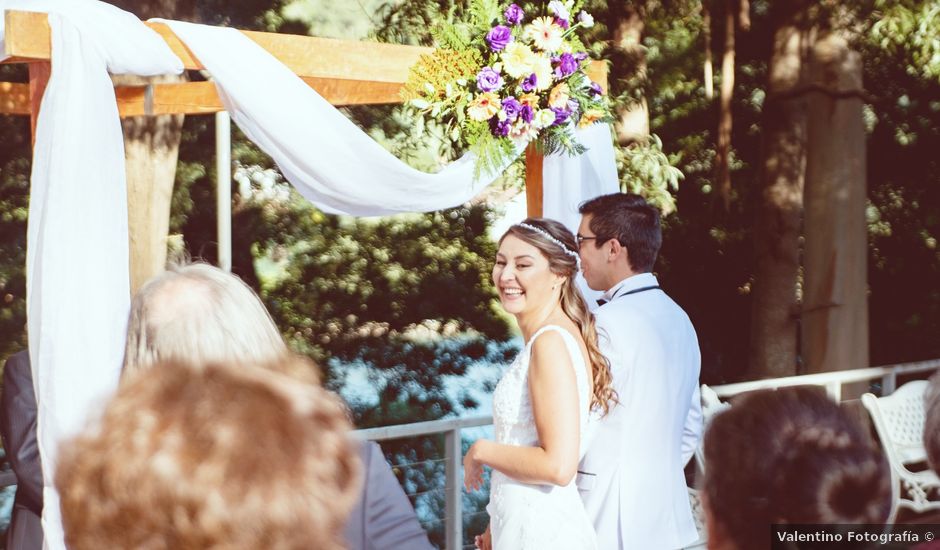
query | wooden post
[835, 301]
[533, 181]
[39, 74]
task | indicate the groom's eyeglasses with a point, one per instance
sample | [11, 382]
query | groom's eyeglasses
[581, 238]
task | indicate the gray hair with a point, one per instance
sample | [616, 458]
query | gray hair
[199, 314]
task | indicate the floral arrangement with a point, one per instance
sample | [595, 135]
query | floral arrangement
[509, 74]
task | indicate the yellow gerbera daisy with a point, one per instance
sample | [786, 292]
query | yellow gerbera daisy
[558, 97]
[484, 106]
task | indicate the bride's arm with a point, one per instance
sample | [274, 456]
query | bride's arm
[554, 393]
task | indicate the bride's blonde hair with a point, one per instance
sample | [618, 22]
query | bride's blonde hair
[560, 248]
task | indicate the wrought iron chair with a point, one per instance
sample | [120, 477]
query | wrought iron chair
[711, 405]
[899, 422]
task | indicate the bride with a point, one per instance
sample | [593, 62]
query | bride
[542, 403]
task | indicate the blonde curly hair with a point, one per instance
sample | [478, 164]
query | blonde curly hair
[224, 456]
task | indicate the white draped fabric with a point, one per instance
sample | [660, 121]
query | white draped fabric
[77, 257]
[77, 253]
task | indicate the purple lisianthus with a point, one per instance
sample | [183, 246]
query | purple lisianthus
[526, 114]
[596, 88]
[529, 83]
[561, 115]
[562, 22]
[566, 65]
[511, 107]
[580, 56]
[514, 14]
[489, 80]
[500, 128]
[499, 37]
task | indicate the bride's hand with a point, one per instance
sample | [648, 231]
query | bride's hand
[473, 468]
[484, 541]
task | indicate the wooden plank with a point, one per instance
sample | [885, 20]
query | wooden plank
[14, 98]
[38, 78]
[533, 181]
[27, 38]
[202, 98]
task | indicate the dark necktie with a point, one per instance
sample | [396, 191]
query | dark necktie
[602, 301]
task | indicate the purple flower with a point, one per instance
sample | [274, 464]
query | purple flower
[489, 80]
[596, 88]
[511, 107]
[561, 115]
[499, 37]
[563, 23]
[567, 64]
[580, 56]
[500, 128]
[514, 14]
[526, 114]
[529, 83]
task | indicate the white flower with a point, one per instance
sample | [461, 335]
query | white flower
[586, 19]
[559, 9]
[543, 119]
[542, 67]
[546, 34]
[517, 60]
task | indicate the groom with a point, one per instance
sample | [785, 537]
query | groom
[631, 478]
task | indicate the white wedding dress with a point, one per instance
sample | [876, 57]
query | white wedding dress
[525, 516]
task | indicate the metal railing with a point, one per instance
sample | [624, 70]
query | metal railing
[451, 427]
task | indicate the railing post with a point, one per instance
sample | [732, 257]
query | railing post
[889, 383]
[834, 389]
[453, 457]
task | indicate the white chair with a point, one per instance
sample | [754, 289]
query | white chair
[711, 405]
[899, 421]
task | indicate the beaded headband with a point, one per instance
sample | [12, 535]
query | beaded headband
[547, 235]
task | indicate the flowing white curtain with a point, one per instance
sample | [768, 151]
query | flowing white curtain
[77, 252]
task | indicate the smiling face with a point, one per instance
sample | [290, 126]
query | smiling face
[523, 278]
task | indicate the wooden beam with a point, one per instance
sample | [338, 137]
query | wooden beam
[533, 182]
[202, 97]
[38, 78]
[27, 39]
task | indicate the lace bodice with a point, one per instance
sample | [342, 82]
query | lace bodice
[512, 405]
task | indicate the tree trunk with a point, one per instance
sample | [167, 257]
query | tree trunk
[633, 119]
[835, 312]
[774, 307]
[151, 146]
[723, 153]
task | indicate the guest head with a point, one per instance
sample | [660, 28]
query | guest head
[221, 456]
[534, 272]
[200, 314]
[790, 456]
[932, 422]
[619, 236]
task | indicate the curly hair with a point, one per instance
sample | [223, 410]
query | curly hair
[565, 264]
[221, 457]
[791, 456]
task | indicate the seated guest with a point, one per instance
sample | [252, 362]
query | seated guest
[790, 456]
[220, 456]
[200, 313]
[18, 429]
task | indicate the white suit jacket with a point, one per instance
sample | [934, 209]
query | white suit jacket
[637, 497]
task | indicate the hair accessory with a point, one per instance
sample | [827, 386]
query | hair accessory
[547, 235]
